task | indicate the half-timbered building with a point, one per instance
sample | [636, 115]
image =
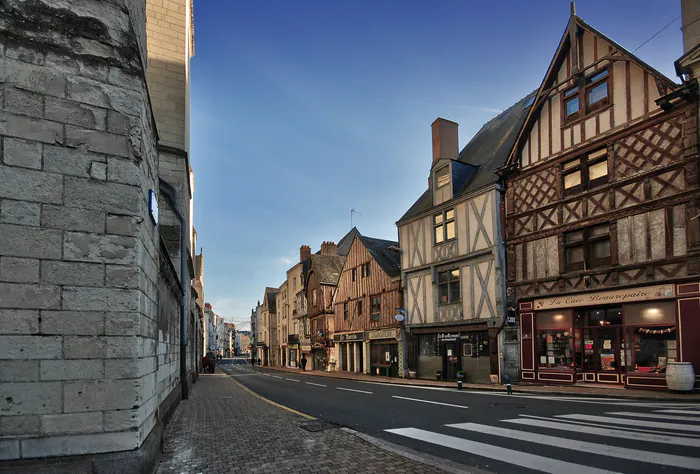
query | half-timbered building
[453, 259]
[367, 336]
[602, 219]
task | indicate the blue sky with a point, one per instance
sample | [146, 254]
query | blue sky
[302, 110]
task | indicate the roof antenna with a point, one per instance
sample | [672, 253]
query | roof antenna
[573, 8]
[351, 213]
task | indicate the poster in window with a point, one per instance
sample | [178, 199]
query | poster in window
[543, 359]
[551, 360]
[607, 344]
[670, 344]
[449, 353]
[387, 356]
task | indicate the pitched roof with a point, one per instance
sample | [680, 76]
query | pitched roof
[488, 150]
[270, 294]
[346, 242]
[389, 260]
[327, 268]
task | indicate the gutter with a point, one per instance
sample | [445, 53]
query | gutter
[171, 194]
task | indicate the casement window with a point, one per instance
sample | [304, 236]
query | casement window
[442, 176]
[588, 97]
[587, 248]
[448, 286]
[359, 308]
[376, 307]
[365, 270]
[345, 312]
[585, 172]
[444, 226]
[314, 299]
[354, 274]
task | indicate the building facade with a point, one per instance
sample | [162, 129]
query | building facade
[601, 219]
[367, 336]
[267, 322]
[283, 321]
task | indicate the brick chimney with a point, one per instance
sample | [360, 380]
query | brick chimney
[445, 140]
[304, 253]
[329, 248]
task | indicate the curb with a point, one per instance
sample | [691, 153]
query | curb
[413, 455]
[499, 389]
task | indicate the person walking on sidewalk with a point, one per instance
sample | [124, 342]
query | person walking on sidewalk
[303, 363]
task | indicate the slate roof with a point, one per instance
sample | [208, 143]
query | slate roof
[389, 260]
[488, 150]
[327, 268]
[346, 242]
[270, 294]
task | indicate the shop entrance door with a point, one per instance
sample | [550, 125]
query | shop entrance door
[451, 361]
[598, 345]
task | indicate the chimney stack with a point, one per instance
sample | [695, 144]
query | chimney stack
[304, 253]
[445, 140]
[329, 248]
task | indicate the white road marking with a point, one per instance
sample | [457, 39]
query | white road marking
[317, 384]
[519, 458]
[242, 375]
[654, 416]
[612, 433]
[607, 425]
[621, 421]
[686, 412]
[353, 390]
[576, 445]
[293, 380]
[277, 376]
[267, 375]
[430, 401]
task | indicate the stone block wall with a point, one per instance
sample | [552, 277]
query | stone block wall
[81, 358]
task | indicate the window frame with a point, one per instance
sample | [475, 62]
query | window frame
[588, 239]
[345, 311]
[583, 164]
[359, 307]
[378, 311]
[365, 272]
[446, 170]
[442, 225]
[448, 285]
[581, 92]
[354, 274]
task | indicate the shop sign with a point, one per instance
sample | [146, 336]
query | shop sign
[293, 339]
[606, 297]
[448, 337]
[356, 336]
[383, 334]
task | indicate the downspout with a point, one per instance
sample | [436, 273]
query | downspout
[171, 193]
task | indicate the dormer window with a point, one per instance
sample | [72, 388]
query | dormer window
[442, 176]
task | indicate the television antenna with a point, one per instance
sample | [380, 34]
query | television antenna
[353, 211]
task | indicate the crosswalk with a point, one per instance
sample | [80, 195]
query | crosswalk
[573, 443]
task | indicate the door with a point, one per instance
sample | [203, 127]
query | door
[511, 355]
[451, 361]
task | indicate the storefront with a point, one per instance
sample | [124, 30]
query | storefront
[293, 345]
[305, 344]
[613, 337]
[467, 348]
[349, 351]
[384, 349]
[319, 357]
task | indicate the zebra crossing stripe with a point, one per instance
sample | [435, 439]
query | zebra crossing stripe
[510, 456]
[611, 433]
[576, 445]
[654, 416]
[621, 421]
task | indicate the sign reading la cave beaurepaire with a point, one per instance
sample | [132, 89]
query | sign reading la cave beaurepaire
[606, 297]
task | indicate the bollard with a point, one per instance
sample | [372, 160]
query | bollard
[509, 389]
[459, 381]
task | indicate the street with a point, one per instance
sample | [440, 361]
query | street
[496, 431]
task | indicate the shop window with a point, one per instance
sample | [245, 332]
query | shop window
[475, 344]
[651, 336]
[448, 286]
[593, 92]
[584, 173]
[595, 317]
[554, 340]
[444, 226]
[587, 248]
[376, 307]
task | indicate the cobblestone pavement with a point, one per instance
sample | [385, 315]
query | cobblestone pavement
[222, 428]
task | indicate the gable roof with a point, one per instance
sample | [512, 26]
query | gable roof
[346, 242]
[270, 294]
[562, 50]
[488, 150]
[389, 260]
[327, 268]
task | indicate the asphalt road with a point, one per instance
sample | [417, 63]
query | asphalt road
[494, 431]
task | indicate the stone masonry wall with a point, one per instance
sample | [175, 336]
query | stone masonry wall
[79, 319]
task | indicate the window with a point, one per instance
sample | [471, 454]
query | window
[554, 339]
[365, 270]
[313, 297]
[651, 336]
[442, 176]
[584, 173]
[354, 274]
[359, 308]
[593, 92]
[376, 307]
[587, 248]
[444, 226]
[345, 312]
[448, 286]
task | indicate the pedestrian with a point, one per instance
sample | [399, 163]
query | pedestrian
[303, 363]
[259, 362]
[252, 361]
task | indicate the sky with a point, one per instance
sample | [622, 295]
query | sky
[303, 110]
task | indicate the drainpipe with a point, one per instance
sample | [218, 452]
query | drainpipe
[171, 194]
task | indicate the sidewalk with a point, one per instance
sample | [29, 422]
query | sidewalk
[225, 428]
[607, 391]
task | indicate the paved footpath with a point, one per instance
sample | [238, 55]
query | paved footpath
[225, 428]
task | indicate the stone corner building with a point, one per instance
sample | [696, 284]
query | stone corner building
[98, 330]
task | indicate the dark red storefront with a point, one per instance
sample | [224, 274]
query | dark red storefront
[623, 337]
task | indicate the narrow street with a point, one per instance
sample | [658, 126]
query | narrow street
[495, 431]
